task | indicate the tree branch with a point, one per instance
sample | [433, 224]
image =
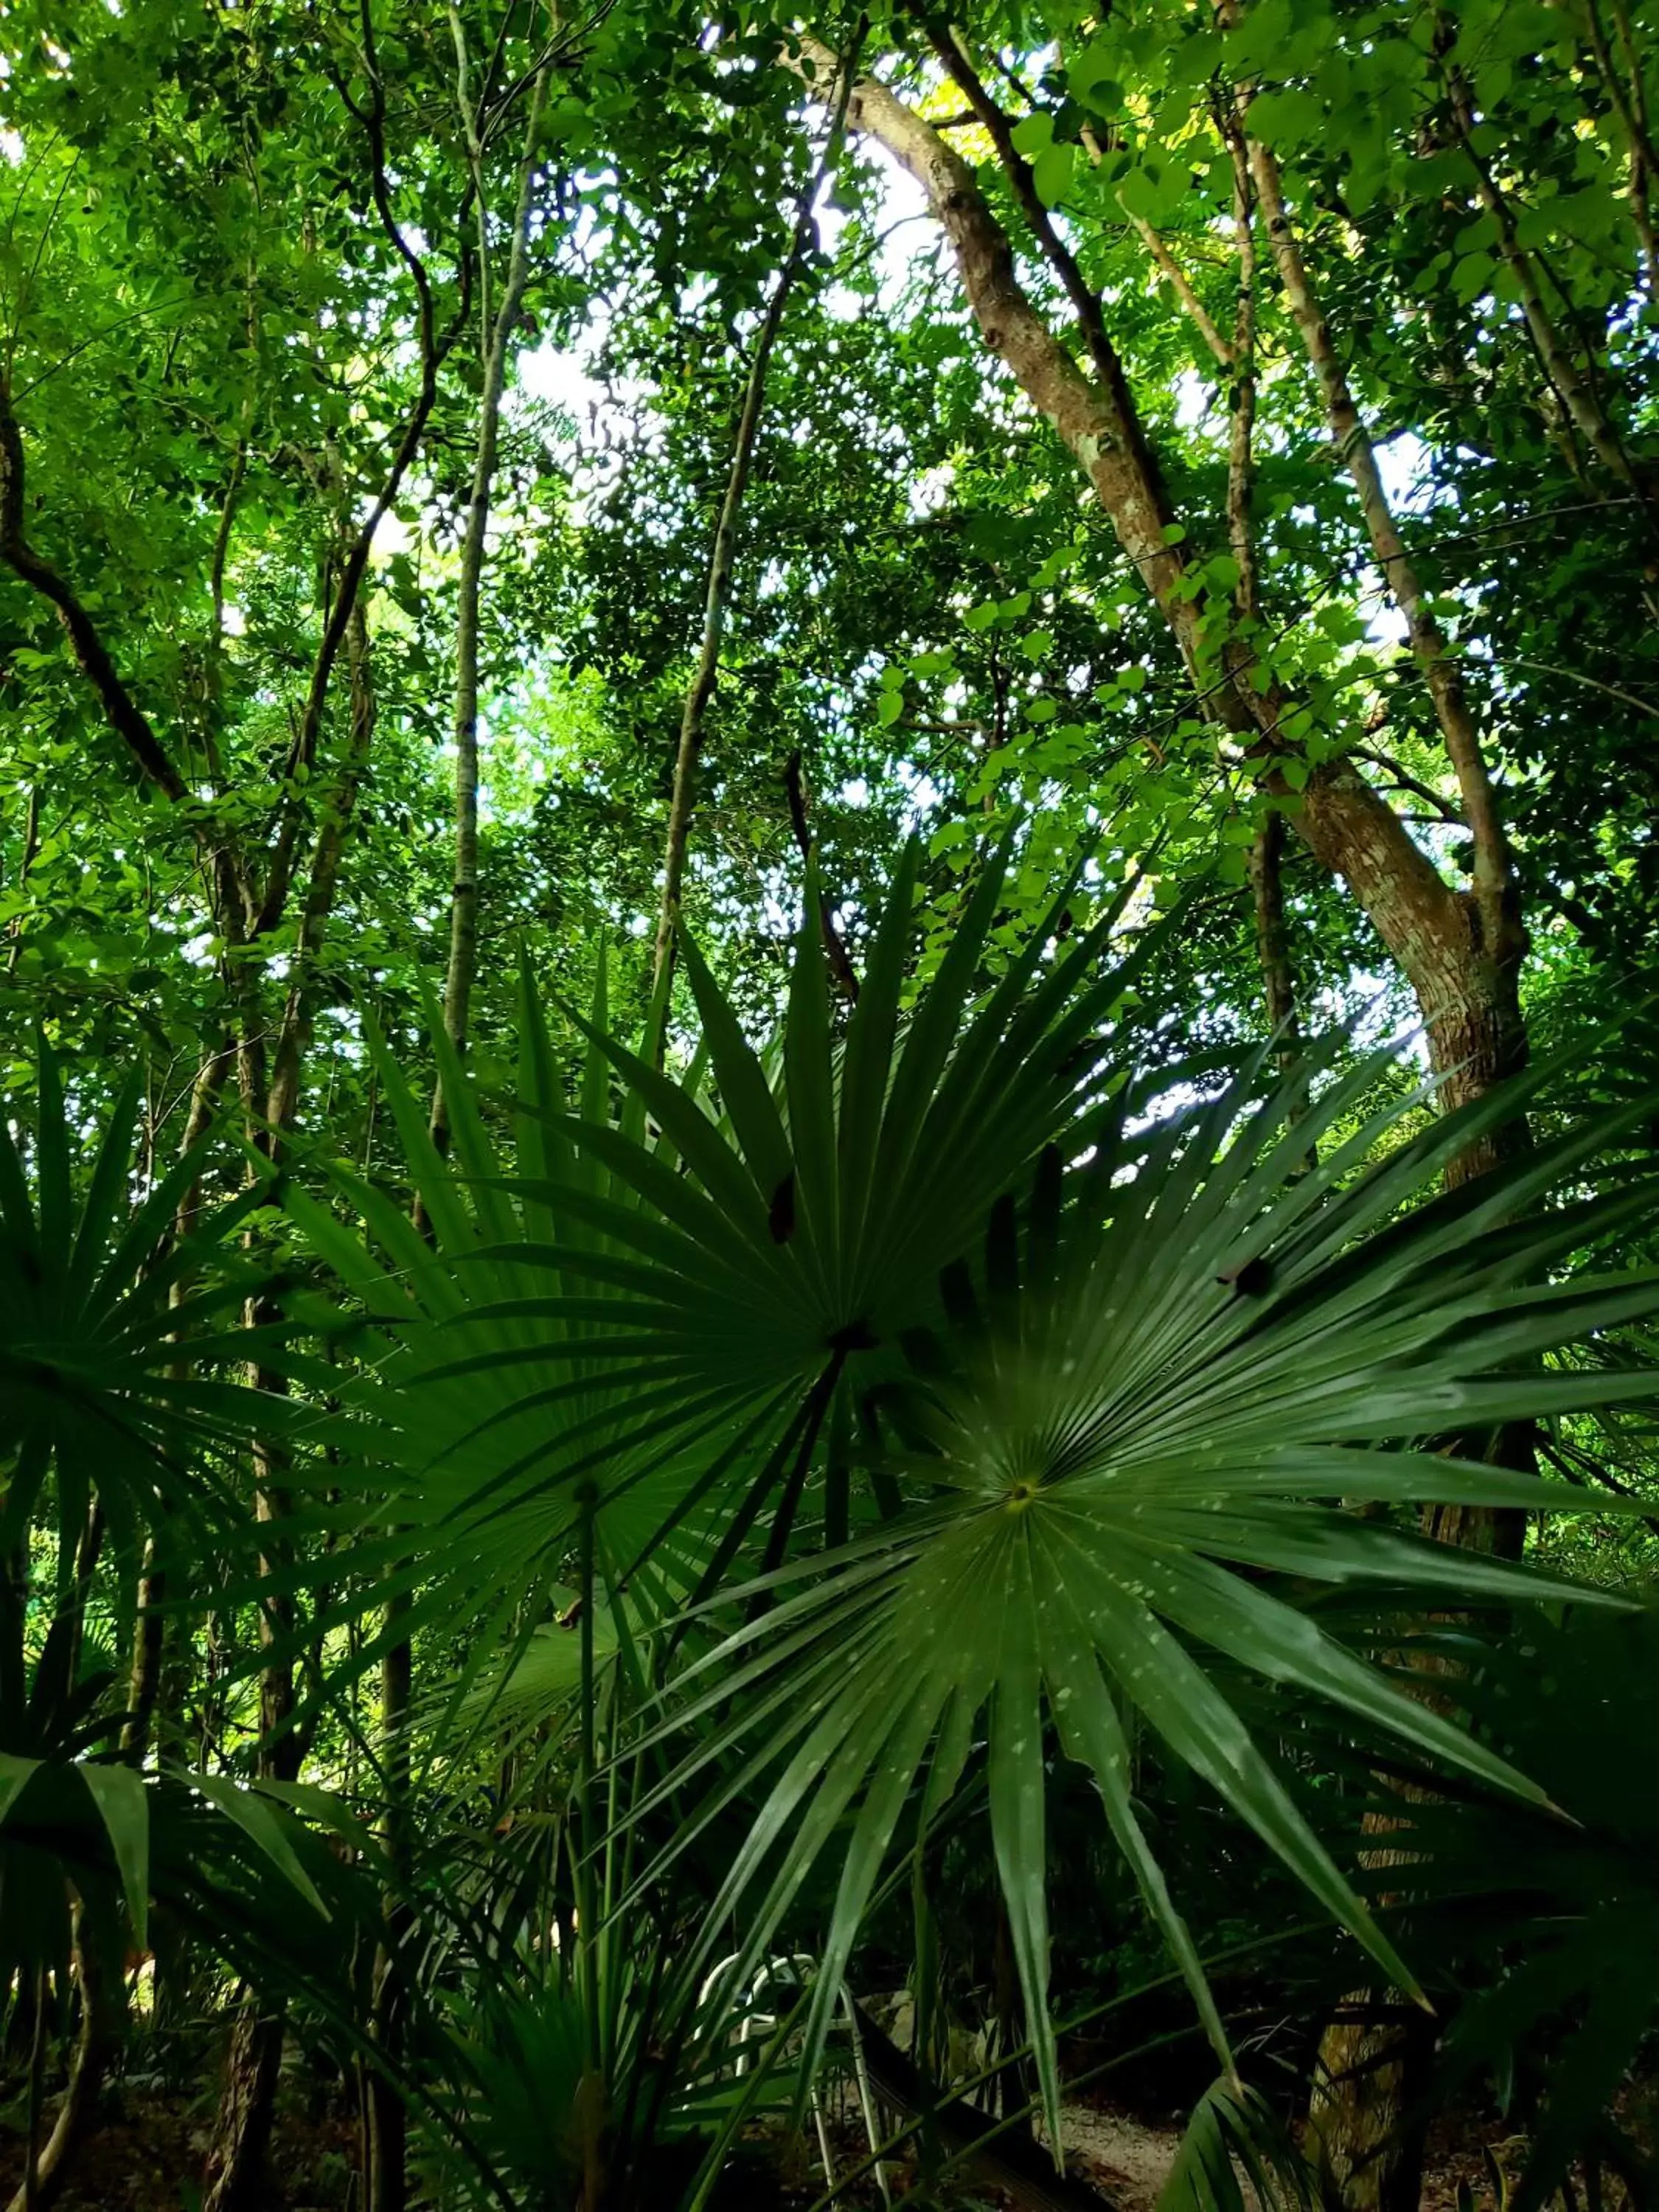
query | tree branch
[125, 717]
[1203, 322]
[1495, 889]
[834, 944]
[1085, 302]
[1345, 822]
[722, 561]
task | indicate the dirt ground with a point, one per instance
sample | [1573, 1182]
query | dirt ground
[150, 2149]
[1129, 2159]
[148, 2155]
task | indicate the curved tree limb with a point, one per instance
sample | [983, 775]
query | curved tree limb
[717, 595]
[1427, 926]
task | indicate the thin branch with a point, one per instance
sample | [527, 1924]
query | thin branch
[1203, 321]
[464, 896]
[1085, 302]
[834, 944]
[122, 711]
[1495, 888]
[1643, 163]
[722, 561]
[1576, 676]
[1587, 416]
[1405, 781]
[435, 348]
[1241, 452]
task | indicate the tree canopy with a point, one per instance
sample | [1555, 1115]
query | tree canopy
[827, 870]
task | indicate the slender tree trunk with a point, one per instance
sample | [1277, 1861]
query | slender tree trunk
[1267, 862]
[25, 862]
[463, 965]
[306, 990]
[386, 2123]
[45, 2173]
[1502, 944]
[244, 909]
[1630, 108]
[236, 2157]
[1469, 1009]
[386, 2161]
[1369, 2155]
[1266, 856]
[1583, 405]
[717, 594]
[235, 2170]
[842, 972]
[148, 1640]
[1240, 363]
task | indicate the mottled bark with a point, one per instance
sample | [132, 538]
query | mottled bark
[1501, 944]
[1469, 1006]
[1365, 2080]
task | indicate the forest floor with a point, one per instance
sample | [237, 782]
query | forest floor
[1129, 2158]
[150, 2145]
[1127, 2155]
[147, 2156]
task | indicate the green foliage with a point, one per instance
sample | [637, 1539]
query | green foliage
[818, 1439]
[1078, 1450]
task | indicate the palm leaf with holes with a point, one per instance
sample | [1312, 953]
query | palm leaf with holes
[662, 1312]
[1164, 1371]
[1093, 1404]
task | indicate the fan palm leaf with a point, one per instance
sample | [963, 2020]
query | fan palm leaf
[1106, 1353]
[1116, 1432]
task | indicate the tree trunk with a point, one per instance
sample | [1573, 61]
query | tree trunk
[235, 2167]
[236, 2158]
[723, 557]
[387, 2122]
[1460, 951]
[1495, 893]
[243, 2128]
[1272, 943]
[463, 964]
[1468, 1000]
[1366, 2079]
[48, 2172]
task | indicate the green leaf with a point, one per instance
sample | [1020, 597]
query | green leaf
[262, 1823]
[1033, 134]
[1287, 119]
[1052, 173]
[123, 1805]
